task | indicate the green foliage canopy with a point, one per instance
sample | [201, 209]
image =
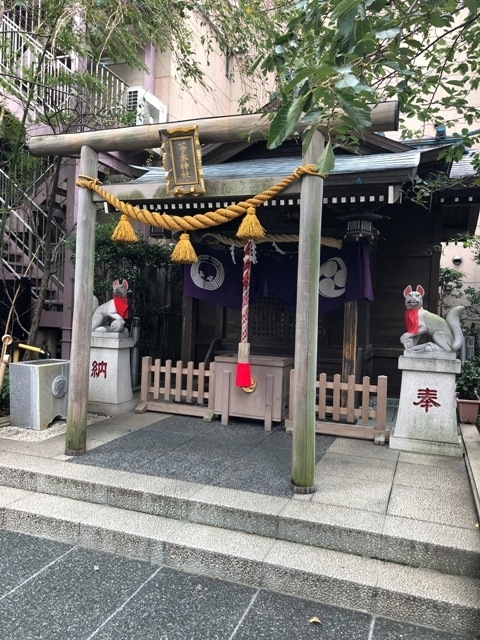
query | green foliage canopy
[337, 58]
[122, 259]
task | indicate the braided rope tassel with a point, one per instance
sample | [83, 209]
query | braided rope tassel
[243, 375]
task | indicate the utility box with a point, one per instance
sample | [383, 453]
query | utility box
[266, 399]
[38, 392]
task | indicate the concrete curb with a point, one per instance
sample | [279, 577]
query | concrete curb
[471, 441]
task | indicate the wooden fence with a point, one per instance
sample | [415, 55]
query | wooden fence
[342, 408]
[176, 388]
[348, 409]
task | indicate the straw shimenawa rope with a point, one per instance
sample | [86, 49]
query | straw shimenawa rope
[326, 241]
[250, 228]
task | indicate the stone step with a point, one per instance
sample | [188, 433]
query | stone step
[415, 595]
[428, 545]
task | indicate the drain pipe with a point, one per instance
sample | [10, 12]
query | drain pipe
[135, 353]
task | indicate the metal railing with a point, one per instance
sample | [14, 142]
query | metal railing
[23, 245]
[32, 71]
[32, 74]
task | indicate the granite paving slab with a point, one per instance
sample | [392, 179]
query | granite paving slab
[71, 598]
[352, 492]
[362, 449]
[349, 466]
[443, 478]
[240, 455]
[54, 591]
[444, 507]
[444, 462]
[177, 606]
[286, 618]
[386, 629]
[22, 556]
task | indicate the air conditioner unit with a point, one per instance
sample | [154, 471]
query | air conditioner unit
[148, 108]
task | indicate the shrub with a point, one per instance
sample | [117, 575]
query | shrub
[468, 380]
[5, 394]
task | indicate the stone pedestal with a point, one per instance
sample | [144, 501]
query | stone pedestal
[110, 387]
[38, 392]
[427, 418]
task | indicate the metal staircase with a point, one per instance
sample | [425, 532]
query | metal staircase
[25, 207]
[23, 242]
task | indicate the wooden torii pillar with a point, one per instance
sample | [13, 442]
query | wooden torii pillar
[384, 117]
[76, 434]
[306, 327]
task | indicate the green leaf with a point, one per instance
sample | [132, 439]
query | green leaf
[285, 121]
[307, 138]
[376, 5]
[326, 162]
[346, 27]
[347, 81]
[472, 6]
[389, 34]
[359, 116]
[343, 7]
[298, 76]
[437, 19]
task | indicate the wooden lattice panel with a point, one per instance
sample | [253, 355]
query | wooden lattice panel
[270, 321]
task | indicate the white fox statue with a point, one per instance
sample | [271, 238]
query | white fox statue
[114, 311]
[446, 333]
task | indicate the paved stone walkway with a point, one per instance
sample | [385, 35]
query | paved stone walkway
[54, 591]
[238, 456]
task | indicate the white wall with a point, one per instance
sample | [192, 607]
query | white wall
[468, 266]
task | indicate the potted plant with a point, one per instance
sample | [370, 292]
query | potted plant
[468, 385]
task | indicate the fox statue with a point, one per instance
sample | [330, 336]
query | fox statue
[114, 311]
[446, 333]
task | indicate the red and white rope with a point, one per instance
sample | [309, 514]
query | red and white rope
[247, 269]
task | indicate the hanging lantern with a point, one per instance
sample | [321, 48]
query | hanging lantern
[360, 224]
[359, 228]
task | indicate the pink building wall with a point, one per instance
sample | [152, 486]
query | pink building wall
[224, 84]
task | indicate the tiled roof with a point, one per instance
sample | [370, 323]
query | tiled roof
[275, 167]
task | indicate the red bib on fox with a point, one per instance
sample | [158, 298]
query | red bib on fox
[411, 321]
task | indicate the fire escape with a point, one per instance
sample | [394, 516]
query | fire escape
[24, 208]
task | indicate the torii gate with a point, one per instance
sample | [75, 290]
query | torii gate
[225, 129]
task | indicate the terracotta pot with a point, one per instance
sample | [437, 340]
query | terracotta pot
[468, 410]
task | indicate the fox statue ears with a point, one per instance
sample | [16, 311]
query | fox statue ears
[116, 284]
[408, 290]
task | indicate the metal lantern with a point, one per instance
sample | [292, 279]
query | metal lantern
[359, 227]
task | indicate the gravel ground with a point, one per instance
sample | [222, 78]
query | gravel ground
[57, 428]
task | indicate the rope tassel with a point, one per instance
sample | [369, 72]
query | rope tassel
[250, 227]
[184, 253]
[243, 376]
[124, 231]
